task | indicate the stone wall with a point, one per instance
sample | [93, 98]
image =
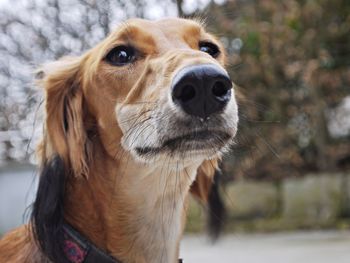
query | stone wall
[314, 201]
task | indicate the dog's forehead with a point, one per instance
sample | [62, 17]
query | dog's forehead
[173, 29]
[167, 25]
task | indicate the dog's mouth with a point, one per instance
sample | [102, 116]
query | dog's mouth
[203, 140]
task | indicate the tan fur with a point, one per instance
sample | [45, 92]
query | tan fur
[132, 209]
[204, 179]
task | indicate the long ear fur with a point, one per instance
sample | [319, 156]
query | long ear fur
[63, 153]
[65, 134]
[206, 189]
[47, 214]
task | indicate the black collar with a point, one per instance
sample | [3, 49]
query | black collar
[79, 249]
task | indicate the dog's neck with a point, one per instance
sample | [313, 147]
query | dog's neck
[134, 211]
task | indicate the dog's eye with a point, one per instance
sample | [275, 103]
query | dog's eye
[210, 48]
[121, 55]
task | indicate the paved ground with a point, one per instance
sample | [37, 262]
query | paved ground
[312, 247]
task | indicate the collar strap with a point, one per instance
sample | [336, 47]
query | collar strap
[78, 249]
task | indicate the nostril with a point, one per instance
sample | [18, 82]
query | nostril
[220, 89]
[188, 92]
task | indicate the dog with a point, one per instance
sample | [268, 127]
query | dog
[131, 128]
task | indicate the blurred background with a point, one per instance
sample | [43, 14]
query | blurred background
[286, 181]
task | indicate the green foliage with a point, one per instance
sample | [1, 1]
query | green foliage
[293, 67]
[252, 44]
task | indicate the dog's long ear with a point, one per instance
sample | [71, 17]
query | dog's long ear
[65, 135]
[47, 210]
[206, 189]
[62, 153]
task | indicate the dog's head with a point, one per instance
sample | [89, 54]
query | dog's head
[155, 89]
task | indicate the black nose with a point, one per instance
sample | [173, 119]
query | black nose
[201, 90]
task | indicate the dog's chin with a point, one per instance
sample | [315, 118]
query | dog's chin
[199, 145]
